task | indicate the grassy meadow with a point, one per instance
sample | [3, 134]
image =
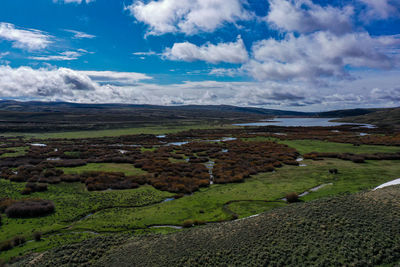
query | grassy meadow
[82, 214]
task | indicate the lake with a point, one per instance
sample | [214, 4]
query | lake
[305, 122]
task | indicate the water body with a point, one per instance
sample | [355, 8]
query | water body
[304, 122]
[393, 182]
[314, 189]
[224, 139]
[41, 145]
[54, 159]
[210, 167]
[177, 143]
[166, 226]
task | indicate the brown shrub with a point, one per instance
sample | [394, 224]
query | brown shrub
[188, 223]
[30, 208]
[37, 236]
[292, 197]
[6, 245]
[18, 240]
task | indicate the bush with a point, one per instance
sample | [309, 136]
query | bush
[188, 223]
[26, 191]
[333, 171]
[292, 197]
[6, 245]
[5, 203]
[37, 187]
[18, 240]
[30, 208]
[199, 222]
[37, 236]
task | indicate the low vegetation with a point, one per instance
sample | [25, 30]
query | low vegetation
[361, 227]
[111, 186]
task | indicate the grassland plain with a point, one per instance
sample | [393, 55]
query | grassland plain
[80, 214]
[308, 146]
[208, 204]
[128, 169]
[72, 202]
[144, 129]
[350, 230]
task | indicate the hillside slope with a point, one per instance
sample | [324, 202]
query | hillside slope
[351, 230]
[383, 117]
[60, 116]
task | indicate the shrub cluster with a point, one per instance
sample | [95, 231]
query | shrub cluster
[97, 181]
[30, 208]
[14, 242]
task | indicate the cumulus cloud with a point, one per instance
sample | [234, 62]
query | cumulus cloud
[187, 16]
[98, 86]
[304, 16]
[28, 39]
[124, 78]
[81, 35]
[234, 52]
[62, 84]
[380, 9]
[28, 82]
[391, 95]
[321, 54]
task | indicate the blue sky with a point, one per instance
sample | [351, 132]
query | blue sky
[287, 54]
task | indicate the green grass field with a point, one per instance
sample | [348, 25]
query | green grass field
[150, 129]
[81, 214]
[18, 151]
[72, 202]
[128, 169]
[208, 203]
[307, 146]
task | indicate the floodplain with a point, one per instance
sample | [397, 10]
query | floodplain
[146, 183]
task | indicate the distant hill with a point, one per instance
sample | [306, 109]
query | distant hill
[37, 116]
[35, 106]
[61, 116]
[389, 117]
[346, 112]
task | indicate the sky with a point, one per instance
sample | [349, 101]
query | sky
[287, 54]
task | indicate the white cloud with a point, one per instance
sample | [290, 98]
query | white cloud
[380, 9]
[73, 1]
[67, 56]
[234, 52]
[81, 35]
[124, 78]
[35, 84]
[321, 54]
[305, 16]
[187, 16]
[4, 54]
[61, 84]
[149, 53]
[230, 72]
[29, 39]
